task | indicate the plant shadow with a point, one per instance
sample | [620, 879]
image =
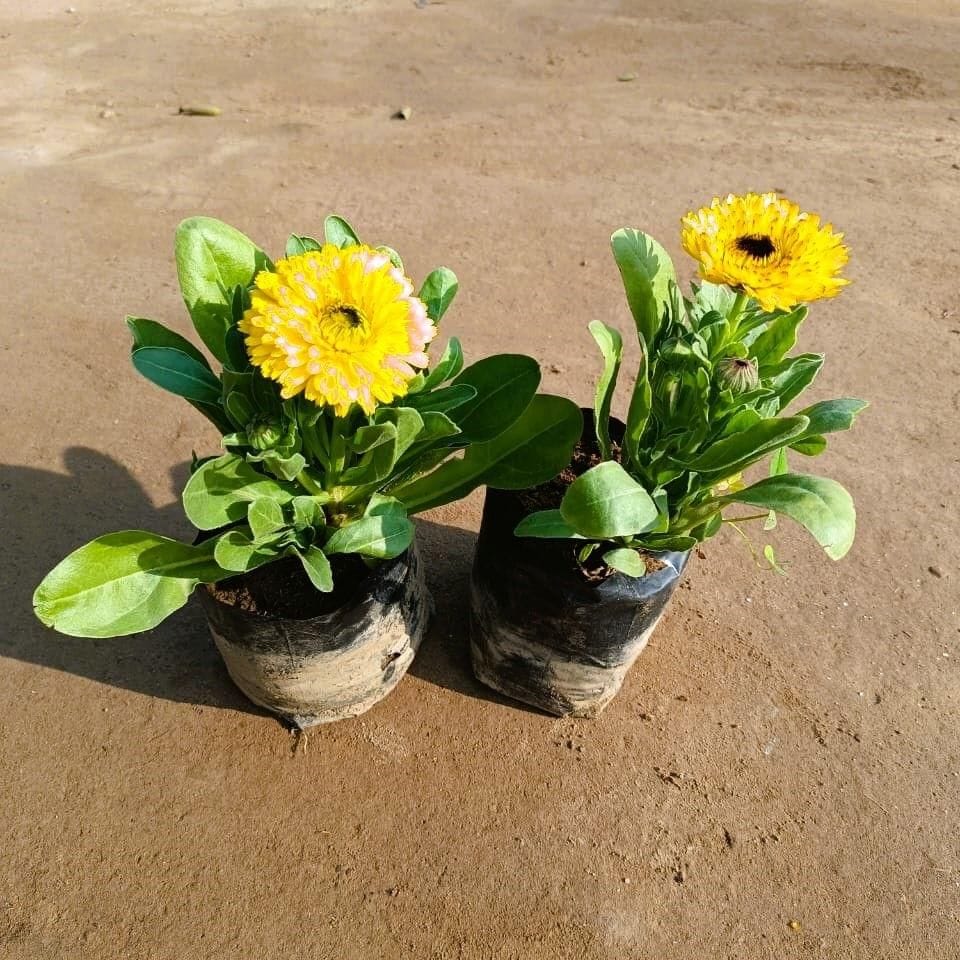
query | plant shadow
[444, 657]
[49, 514]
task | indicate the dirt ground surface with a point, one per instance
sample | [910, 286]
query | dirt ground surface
[779, 776]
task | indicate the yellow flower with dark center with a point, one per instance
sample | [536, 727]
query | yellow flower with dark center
[340, 326]
[765, 246]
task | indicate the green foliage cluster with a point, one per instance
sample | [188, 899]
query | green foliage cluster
[710, 399]
[295, 480]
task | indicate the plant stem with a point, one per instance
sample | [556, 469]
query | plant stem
[733, 317]
[308, 483]
[755, 516]
[338, 455]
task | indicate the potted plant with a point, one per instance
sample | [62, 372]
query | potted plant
[571, 577]
[337, 428]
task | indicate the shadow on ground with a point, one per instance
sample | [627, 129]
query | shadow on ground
[444, 657]
[50, 514]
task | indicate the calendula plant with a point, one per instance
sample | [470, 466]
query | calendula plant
[716, 376]
[336, 424]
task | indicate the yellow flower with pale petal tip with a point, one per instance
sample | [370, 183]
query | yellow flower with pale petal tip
[767, 247]
[340, 326]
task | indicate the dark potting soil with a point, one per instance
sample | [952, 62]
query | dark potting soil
[282, 590]
[547, 496]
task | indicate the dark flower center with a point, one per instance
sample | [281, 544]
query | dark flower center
[756, 245]
[351, 315]
[742, 364]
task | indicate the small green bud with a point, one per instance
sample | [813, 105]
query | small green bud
[738, 375]
[264, 433]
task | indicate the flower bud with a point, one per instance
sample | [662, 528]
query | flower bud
[264, 433]
[738, 375]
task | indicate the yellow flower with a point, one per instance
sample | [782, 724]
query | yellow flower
[767, 247]
[340, 326]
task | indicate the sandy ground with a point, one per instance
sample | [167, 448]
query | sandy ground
[785, 750]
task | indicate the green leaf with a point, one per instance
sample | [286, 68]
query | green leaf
[585, 551]
[627, 561]
[308, 512]
[442, 400]
[668, 542]
[731, 454]
[215, 414]
[337, 231]
[220, 492]
[790, 378]
[437, 426]
[607, 502]
[533, 449]
[393, 255]
[179, 373]
[611, 347]
[810, 445]
[296, 246]
[383, 531]
[830, 416]
[408, 423]
[743, 419]
[778, 339]
[647, 273]
[122, 583]
[819, 504]
[438, 291]
[317, 568]
[367, 438]
[641, 404]
[283, 468]
[239, 301]
[771, 558]
[236, 347]
[715, 298]
[265, 393]
[239, 408]
[150, 333]
[546, 523]
[236, 552]
[265, 516]
[449, 365]
[378, 462]
[212, 259]
[505, 385]
[778, 463]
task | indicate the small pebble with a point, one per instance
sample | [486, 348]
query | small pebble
[107, 114]
[627, 77]
[936, 571]
[199, 111]
[404, 113]
[794, 925]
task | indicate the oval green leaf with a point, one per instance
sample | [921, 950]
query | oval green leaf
[213, 258]
[438, 291]
[607, 502]
[178, 372]
[505, 385]
[818, 503]
[122, 583]
[220, 492]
